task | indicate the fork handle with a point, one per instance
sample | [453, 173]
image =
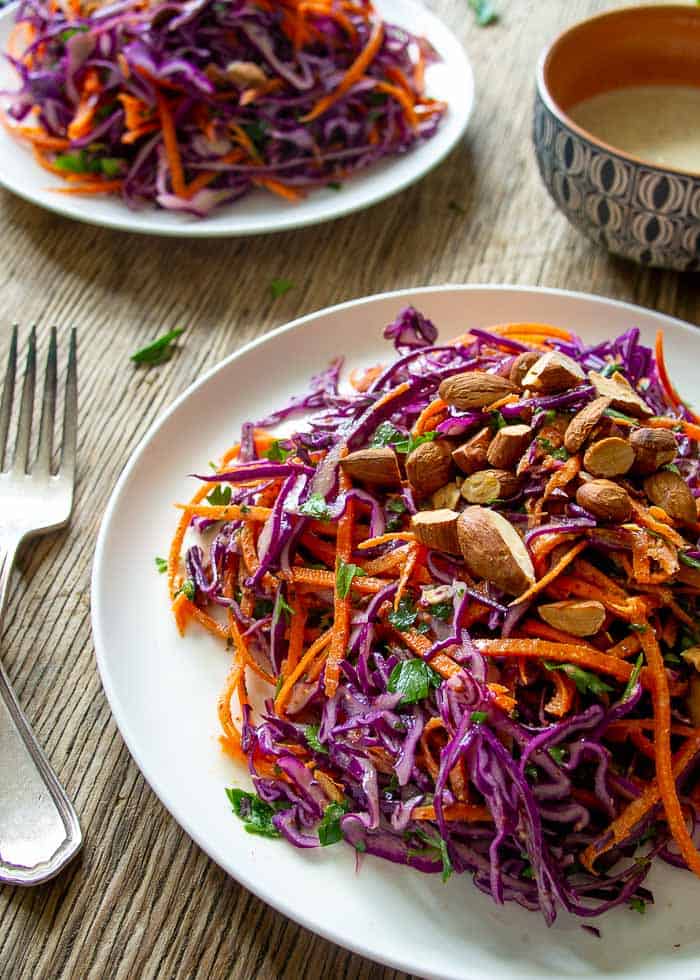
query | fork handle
[39, 829]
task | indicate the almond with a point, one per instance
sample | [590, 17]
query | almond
[583, 423]
[488, 485]
[446, 497]
[605, 499]
[622, 395]
[376, 466]
[521, 365]
[494, 551]
[554, 371]
[472, 455]
[692, 656]
[653, 448]
[429, 466]
[580, 617]
[670, 491]
[245, 74]
[508, 445]
[437, 529]
[609, 457]
[475, 389]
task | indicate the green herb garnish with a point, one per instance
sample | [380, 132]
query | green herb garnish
[254, 812]
[396, 505]
[159, 351]
[558, 753]
[639, 627]
[687, 560]
[281, 607]
[484, 13]
[478, 717]
[443, 611]
[404, 617]
[388, 435]
[277, 453]
[220, 496]
[315, 506]
[335, 186]
[634, 677]
[278, 287]
[187, 589]
[638, 905]
[412, 679]
[161, 565]
[585, 681]
[311, 736]
[344, 575]
[329, 831]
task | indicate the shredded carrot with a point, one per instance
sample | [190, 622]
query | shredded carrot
[341, 604]
[582, 656]
[91, 187]
[315, 650]
[543, 631]
[226, 512]
[352, 75]
[561, 703]
[552, 574]
[468, 812]
[296, 635]
[403, 98]
[406, 571]
[385, 539]
[172, 150]
[431, 416]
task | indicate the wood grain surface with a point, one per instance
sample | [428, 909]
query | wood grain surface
[143, 900]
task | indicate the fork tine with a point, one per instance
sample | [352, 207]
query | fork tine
[24, 425]
[70, 413]
[8, 394]
[48, 410]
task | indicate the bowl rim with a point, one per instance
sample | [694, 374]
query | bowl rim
[555, 109]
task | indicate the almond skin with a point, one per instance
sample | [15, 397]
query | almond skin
[429, 466]
[245, 74]
[508, 445]
[472, 455]
[554, 371]
[609, 457]
[521, 365]
[377, 466]
[488, 485]
[580, 617]
[437, 529]
[475, 389]
[493, 550]
[446, 497]
[671, 492]
[583, 423]
[605, 500]
[622, 395]
[653, 448]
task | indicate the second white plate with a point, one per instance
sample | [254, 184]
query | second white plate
[163, 689]
[450, 80]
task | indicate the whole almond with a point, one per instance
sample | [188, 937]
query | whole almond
[583, 423]
[670, 491]
[429, 466]
[521, 365]
[475, 389]
[554, 371]
[605, 500]
[622, 395]
[493, 550]
[437, 529]
[245, 74]
[446, 497]
[653, 448]
[580, 617]
[486, 486]
[377, 466]
[508, 445]
[472, 455]
[609, 457]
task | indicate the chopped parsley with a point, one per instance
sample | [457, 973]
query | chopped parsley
[634, 677]
[558, 753]
[159, 351]
[335, 186]
[671, 467]
[387, 434]
[278, 287]
[638, 905]
[344, 575]
[187, 589]
[254, 812]
[329, 831]
[484, 13]
[262, 608]
[311, 736]
[161, 565]
[478, 717]
[220, 496]
[556, 452]
[281, 607]
[278, 686]
[257, 132]
[404, 617]
[277, 453]
[497, 421]
[439, 845]
[315, 506]
[396, 505]
[443, 611]
[585, 681]
[413, 680]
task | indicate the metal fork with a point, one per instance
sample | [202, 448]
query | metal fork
[39, 830]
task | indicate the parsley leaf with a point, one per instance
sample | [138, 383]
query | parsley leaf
[334, 185]
[344, 575]
[315, 506]
[254, 812]
[161, 565]
[556, 452]
[611, 368]
[478, 717]
[558, 753]
[278, 685]
[413, 680]
[187, 589]
[396, 505]
[281, 607]
[634, 677]
[277, 453]
[440, 845]
[388, 435]
[483, 12]
[329, 831]
[159, 351]
[612, 413]
[443, 611]
[638, 905]
[585, 681]
[257, 132]
[220, 496]
[671, 467]
[278, 287]
[311, 736]
[497, 421]
[404, 617]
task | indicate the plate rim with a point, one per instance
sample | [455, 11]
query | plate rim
[286, 221]
[154, 781]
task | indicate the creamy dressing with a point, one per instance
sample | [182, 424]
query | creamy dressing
[656, 123]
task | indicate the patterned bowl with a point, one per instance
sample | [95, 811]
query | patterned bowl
[638, 210]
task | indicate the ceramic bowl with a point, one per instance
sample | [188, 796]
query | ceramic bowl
[638, 210]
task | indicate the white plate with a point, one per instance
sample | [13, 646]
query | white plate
[450, 80]
[163, 689]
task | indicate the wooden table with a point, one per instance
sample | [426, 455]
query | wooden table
[143, 900]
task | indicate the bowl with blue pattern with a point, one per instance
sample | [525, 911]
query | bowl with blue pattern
[636, 209]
